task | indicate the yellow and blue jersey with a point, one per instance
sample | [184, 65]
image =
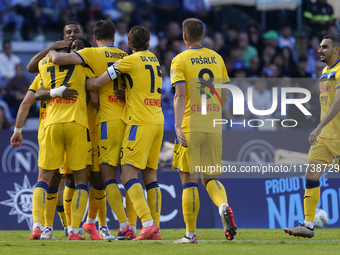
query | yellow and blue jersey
[99, 59]
[200, 69]
[61, 110]
[142, 74]
[329, 83]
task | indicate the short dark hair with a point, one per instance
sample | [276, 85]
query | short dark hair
[75, 23]
[138, 38]
[86, 43]
[104, 30]
[5, 42]
[335, 40]
[194, 29]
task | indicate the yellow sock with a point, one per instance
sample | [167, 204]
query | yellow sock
[51, 203]
[216, 192]
[115, 200]
[190, 205]
[62, 216]
[130, 211]
[78, 205]
[136, 195]
[68, 195]
[311, 199]
[95, 198]
[39, 200]
[154, 201]
[101, 214]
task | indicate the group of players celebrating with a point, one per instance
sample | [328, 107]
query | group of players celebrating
[101, 108]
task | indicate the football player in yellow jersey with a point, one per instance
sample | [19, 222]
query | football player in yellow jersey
[111, 127]
[66, 128]
[198, 143]
[144, 131]
[325, 139]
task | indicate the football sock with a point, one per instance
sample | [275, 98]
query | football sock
[131, 213]
[310, 200]
[190, 234]
[62, 215]
[154, 200]
[115, 200]
[39, 201]
[101, 214]
[216, 192]
[190, 205]
[136, 194]
[123, 225]
[78, 205]
[95, 200]
[68, 195]
[50, 206]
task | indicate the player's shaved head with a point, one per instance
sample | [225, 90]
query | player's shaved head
[104, 30]
[194, 29]
[138, 38]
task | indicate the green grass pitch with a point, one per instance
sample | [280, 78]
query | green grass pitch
[210, 242]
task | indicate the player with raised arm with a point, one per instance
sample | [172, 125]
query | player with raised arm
[144, 131]
[198, 142]
[111, 127]
[65, 129]
[324, 139]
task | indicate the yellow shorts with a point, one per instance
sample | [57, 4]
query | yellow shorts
[65, 169]
[110, 137]
[324, 151]
[95, 159]
[60, 137]
[203, 154]
[141, 146]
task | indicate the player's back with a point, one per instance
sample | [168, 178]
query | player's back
[200, 69]
[329, 83]
[60, 110]
[99, 59]
[142, 74]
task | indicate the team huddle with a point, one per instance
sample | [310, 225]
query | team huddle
[100, 109]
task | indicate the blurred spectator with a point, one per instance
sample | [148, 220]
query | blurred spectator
[124, 47]
[219, 44]
[333, 30]
[319, 66]
[313, 55]
[301, 45]
[16, 89]
[168, 56]
[287, 40]
[121, 34]
[319, 16]
[174, 32]
[270, 37]
[167, 10]
[167, 96]
[208, 42]
[279, 62]
[162, 46]
[153, 37]
[177, 47]
[109, 9]
[7, 112]
[89, 28]
[267, 55]
[50, 12]
[284, 82]
[72, 10]
[142, 12]
[254, 70]
[262, 97]
[232, 36]
[247, 52]
[239, 75]
[289, 65]
[196, 9]
[300, 71]
[30, 10]
[255, 38]
[8, 62]
[8, 16]
[4, 124]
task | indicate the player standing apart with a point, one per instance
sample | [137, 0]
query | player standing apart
[198, 144]
[325, 139]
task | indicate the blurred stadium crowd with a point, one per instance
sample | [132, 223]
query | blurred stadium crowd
[278, 52]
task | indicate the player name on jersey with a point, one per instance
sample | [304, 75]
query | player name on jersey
[204, 60]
